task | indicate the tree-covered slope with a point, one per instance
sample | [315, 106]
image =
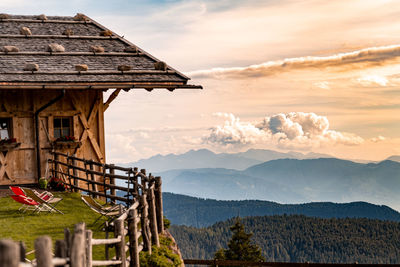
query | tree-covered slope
[297, 238]
[199, 212]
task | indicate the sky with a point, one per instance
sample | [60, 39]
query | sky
[309, 76]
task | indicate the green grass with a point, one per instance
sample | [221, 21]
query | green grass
[27, 226]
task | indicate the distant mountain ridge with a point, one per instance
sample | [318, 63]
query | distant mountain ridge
[199, 212]
[293, 181]
[204, 158]
[394, 158]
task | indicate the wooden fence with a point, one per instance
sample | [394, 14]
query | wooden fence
[143, 219]
[279, 264]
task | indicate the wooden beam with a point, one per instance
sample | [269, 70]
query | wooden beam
[48, 21]
[90, 72]
[111, 98]
[40, 53]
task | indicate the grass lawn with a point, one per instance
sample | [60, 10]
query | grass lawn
[27, 226]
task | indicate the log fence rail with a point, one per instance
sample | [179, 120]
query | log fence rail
[143, 219]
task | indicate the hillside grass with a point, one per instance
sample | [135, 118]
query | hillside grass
[28, 226]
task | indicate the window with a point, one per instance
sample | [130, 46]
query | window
[62, 127]
[5, 128]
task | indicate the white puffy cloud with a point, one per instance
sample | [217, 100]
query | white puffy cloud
[293, 130]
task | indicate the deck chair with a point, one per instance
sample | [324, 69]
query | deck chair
[27, 203]
[110, 213]
[49, 204]
[17, 190]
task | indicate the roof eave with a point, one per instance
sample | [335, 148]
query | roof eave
[96, 86]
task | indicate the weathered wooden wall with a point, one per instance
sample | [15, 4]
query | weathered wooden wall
[84, 106]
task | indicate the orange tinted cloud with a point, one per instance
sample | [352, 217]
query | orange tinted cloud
[368, 57]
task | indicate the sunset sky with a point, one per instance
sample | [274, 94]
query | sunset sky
[320, 76]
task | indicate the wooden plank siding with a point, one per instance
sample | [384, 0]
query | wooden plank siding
[85, 107]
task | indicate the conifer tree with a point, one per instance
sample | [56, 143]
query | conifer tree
[240, 247]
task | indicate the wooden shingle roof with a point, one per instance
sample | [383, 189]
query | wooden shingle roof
[57, 70]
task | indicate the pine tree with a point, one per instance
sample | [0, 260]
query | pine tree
[240, 247]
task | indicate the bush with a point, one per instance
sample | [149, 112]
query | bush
[43, 183]
[167, 223]
[57, 184]
[160, 257]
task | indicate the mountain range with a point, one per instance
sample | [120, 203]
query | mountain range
[293, 181]
[204, 158]
[199, 212]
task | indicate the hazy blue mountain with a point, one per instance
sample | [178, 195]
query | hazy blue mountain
[394, 158]
[204, 158]
[199, 212]
[293, 181]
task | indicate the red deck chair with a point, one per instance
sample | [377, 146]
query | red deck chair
[17, 190]
[27, 203]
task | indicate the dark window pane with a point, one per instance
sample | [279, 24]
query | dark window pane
[57, 123]
[57, 133]
[65, 131]
[65, 122]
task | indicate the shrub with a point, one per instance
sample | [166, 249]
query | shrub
[160, 256]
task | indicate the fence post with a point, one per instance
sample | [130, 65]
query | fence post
[144, 222]
[77, 258]
[106, 250]
[67, 239]
[61, 250]
[120, 247]
[152, 217]
[9, 253]
[112, 182]
[133, 239]
[92, 177]
[22, 251]
[159, 205]
[55, 165]
[89, 251]
[69, 171]
[43, 252]
[75, 172]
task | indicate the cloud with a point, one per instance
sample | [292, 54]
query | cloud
[380, 138]
[369, 80]
[322, 85]
[297, 130]
[373, 56]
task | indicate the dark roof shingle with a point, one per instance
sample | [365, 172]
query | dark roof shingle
[58, 68]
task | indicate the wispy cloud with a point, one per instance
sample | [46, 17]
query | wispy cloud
[373, 56]
[295, 130]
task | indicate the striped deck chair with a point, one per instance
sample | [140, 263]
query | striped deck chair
[49, 204]
[110, 213]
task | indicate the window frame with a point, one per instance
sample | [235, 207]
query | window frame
[61, 128]
[9, 128]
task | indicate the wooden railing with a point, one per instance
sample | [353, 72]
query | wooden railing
[100, 179]
[139, 220]
[143, 219]
[279, 264]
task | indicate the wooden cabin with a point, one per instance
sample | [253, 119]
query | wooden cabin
[53, 73]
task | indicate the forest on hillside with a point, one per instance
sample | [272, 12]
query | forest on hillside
[199, 212]
[297, 238]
